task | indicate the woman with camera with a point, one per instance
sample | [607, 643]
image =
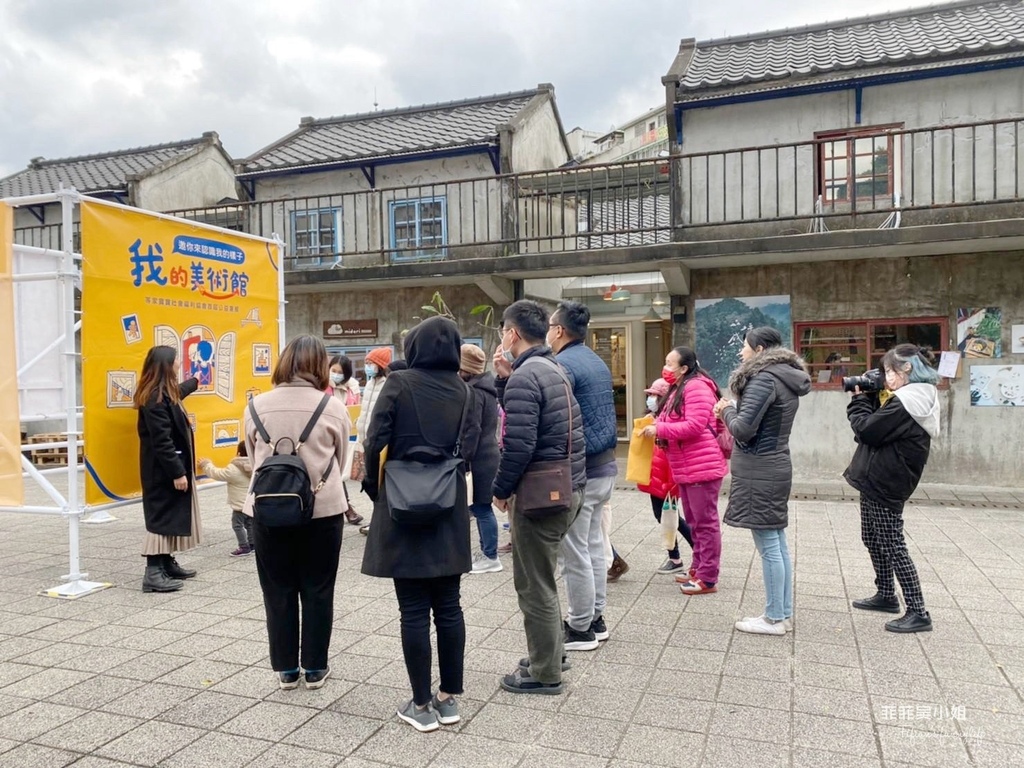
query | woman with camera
[768, 386]
[893, 442]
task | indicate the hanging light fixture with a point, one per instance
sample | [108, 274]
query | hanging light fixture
[609, 295]
[621, 294]
[658, 301]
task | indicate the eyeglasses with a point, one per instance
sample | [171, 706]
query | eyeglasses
[555, 325]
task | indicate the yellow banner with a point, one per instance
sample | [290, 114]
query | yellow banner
[12, 489]
[151, 281]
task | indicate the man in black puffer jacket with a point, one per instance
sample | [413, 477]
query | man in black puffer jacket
[539, 406]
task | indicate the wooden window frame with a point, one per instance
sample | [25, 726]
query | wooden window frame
[850, 136]
[871, 357]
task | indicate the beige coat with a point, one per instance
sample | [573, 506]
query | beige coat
[284, 411]
[237, 475]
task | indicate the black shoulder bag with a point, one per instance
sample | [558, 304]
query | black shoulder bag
[421, 493]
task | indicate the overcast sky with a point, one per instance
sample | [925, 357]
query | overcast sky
[80, 77]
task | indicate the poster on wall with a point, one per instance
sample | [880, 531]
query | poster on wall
[979, 332]
[12, 489]
[1017, 339]
[212, 295]
[997, 385]
[722, 324]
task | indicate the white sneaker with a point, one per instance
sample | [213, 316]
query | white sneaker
[487, 565]
[761, 626]
[787, 623]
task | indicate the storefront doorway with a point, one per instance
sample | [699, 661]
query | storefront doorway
[611, 343]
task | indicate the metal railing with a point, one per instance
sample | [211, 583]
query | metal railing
[882, 178]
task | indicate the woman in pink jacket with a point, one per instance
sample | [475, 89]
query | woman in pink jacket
[686, 428]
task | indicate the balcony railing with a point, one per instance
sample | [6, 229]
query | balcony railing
[891, 177]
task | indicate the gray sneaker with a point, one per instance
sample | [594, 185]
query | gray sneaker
[423, 720]
[447, 711]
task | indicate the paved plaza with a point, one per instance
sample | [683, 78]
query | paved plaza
[125, 678]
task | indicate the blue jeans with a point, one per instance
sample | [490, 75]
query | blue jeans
[778, 572]
[487, 526]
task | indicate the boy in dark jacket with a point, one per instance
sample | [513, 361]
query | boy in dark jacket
[893, 441]
[539, 407]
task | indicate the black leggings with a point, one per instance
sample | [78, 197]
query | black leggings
[417, 598]
[684, 529]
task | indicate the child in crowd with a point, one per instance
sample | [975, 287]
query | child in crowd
[237, 475]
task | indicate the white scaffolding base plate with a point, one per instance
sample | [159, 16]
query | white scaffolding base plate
[75, 589]
[98, 517]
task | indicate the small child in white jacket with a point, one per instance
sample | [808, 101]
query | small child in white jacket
[237, 475]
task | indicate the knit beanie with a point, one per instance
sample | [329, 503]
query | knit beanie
[473, 359]
[379, 356]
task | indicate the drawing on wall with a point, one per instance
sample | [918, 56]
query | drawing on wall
[997, 385]
[250, 394]
[723, 323]
[130, 326]
[1017, 339]
[202, 356]
[979, 332]
[260, 359]
[226, 432]
[121, 389]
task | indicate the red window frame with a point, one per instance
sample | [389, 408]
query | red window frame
[828, 159]
[849, 339]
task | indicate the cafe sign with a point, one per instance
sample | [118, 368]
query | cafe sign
[350, 329]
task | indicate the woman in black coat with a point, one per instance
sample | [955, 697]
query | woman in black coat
[417, 407]
[480, 449]
[167, 468]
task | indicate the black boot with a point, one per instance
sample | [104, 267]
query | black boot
[910, 622]
[173, 569]
[156, 580]
[878, 603]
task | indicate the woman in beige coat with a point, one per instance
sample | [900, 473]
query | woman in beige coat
[300, 564]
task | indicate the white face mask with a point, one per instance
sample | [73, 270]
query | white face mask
[652, 403]
[371, 370]
[337, 378]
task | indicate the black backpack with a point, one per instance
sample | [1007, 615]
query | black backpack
[281, 487]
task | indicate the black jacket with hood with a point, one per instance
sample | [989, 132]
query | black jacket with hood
[480, 443]
[893, 442]
[421, 406]
[768, 387]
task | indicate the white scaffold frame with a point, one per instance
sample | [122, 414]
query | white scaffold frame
[67, 275]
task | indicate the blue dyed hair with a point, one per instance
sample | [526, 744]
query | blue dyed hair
[916, 362]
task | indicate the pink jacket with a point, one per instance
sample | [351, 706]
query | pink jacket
[693, 452]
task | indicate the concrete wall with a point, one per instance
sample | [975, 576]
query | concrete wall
[979, 445]
[780, 182]
[196, 182]
[394, 310]
[537, 142]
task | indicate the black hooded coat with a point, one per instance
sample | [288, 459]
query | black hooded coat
[421, 406]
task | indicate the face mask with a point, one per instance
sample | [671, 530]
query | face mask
[507, 353]
[652, 403]
[337, 378]
[371, 370]
[668, 375]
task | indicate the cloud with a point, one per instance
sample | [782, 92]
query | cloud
[89, 77]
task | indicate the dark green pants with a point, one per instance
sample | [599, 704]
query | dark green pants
[535, 547]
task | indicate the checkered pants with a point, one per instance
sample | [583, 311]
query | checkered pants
[881, 530]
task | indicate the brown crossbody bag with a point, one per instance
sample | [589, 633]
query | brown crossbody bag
[545, 488]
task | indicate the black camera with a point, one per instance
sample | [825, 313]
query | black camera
[871, 381]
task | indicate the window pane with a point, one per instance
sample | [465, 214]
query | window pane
[432, 210]
[404, 213]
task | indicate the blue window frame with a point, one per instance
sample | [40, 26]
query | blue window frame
[315, 233]
[419, 228]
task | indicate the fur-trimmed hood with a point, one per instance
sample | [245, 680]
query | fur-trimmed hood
[784, 364]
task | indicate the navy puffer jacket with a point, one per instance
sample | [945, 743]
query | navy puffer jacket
[592, 384]
[537, 421]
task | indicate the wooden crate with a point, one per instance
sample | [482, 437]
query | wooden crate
[50, 457]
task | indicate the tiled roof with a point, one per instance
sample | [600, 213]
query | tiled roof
[393, 132]
[89, 174]
[952, 31]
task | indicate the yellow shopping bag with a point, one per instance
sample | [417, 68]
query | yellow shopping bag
[641, 452]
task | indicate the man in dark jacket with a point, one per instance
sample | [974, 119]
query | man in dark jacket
[539, 407]
[584, 569]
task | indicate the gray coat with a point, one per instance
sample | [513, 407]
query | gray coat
[768, 388]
